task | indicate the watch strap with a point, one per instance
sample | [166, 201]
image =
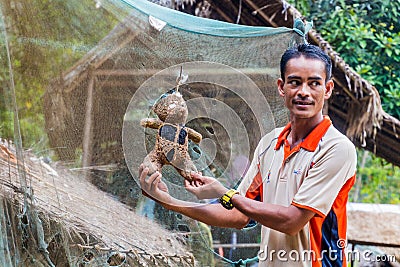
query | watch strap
[226, 199]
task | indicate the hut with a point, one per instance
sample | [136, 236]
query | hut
[87, 103]
[355, 108]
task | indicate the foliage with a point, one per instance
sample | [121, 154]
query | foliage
[43, 42]
[377, 180]
[367, 35]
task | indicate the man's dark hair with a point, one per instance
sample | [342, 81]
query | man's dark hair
[308, 51]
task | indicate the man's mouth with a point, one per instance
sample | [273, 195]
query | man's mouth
[302, 102]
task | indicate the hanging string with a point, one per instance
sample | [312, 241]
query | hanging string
[179, 80]
[239, 12]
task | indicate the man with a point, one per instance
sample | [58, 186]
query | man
[297, 185]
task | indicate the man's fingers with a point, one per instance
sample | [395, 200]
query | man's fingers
[156, 180]
[151, 179]
[189, 186]
[195, 176]
[143, 174]
[141, 167]
[197, 183]
[147, 183]
[187, 183]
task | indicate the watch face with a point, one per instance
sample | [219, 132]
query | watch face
[225, 201]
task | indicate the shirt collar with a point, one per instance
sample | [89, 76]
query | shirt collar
[310, 143]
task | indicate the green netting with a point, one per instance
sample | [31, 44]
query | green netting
[198, 25]
[76, 79]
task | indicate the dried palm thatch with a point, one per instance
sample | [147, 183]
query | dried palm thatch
[54, 217]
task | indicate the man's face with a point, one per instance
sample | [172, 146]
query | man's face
[305, 88]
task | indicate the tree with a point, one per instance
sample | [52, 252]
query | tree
[44, 39]
[367, 35]
[377, 181]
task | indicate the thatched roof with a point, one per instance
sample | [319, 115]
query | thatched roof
[355, 108]
[77, 223]
[110, 74]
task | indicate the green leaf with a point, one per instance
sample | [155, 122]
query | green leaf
[363, 43]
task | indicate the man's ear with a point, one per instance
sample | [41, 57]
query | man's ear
[329, 88]
[280, 84]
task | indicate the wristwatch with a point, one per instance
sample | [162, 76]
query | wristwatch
[226, 199]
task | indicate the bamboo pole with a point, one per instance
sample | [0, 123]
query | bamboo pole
[88, 130]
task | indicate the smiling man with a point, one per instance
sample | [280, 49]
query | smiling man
[298, 182]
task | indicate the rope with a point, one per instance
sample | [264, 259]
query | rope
[237, 263]
[119, 255]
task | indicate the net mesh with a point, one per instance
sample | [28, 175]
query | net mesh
[77, 78]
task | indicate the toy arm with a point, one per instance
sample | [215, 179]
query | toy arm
[151, 123]
[194, 136]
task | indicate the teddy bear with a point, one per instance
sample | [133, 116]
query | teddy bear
[171, 145]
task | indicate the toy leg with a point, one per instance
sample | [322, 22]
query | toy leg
[151, 161]
[185, 168]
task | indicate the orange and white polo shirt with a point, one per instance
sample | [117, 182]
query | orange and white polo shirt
[315, 175]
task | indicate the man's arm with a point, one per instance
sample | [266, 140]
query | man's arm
[289, 220]
[211, 214]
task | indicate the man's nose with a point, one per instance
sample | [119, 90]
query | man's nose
[304, 90]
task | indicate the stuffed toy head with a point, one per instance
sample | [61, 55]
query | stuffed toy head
[171, 145]
[171, 108]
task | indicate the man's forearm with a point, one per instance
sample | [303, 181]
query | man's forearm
[287, 220]
[211, 214]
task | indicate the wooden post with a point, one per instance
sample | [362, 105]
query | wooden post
[88, 128]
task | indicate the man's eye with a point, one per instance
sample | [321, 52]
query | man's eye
[294, 83]
[315, 83]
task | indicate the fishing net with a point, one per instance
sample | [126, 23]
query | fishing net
[76, 79]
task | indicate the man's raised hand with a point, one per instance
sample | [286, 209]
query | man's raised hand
[153, 186]
[204, 187]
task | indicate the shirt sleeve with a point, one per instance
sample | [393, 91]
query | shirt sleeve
[326, 178]
[248, 186]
